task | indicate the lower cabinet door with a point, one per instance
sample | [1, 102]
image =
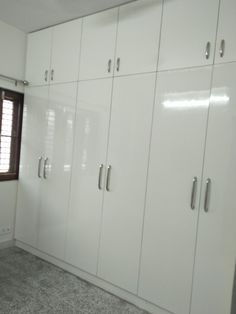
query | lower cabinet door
[57, 169]
[174, 179]
[216, 248]
[88, 174]
[129, 139]
[30, 177]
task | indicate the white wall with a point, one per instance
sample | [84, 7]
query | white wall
[12, 63]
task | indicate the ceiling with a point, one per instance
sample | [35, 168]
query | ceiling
[31, 15]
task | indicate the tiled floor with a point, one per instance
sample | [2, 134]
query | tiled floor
[30, 285]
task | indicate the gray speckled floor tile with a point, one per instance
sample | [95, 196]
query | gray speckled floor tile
[29, 285]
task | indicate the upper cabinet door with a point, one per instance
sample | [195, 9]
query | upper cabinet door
[88, 174]
[173, 191]
[188, 33]
[31, 162]
[226, 39]
[66, 52]
[57, 169]
[124, 198]
[38, 57]
[216, 249]
[98, 45]
[138, 37]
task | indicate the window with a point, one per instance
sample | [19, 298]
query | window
[11, 107]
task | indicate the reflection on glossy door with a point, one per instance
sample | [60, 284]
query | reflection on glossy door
[56, 182]
[84, 221]
[170, 224]
[216, 249]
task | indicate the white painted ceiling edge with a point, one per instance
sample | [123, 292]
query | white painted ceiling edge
[32, 15]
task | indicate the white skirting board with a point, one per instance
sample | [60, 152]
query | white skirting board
[6, 244]
[127, 296]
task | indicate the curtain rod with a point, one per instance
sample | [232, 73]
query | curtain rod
[8, 78]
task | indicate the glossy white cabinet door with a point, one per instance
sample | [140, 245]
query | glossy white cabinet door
[38, 57]
[138, 36]
[177, 147]
[226, 51]
[83, 229]
[98, 45]
[32, 145]
[216, 249]
[56, 186]
[132, 106]
[187, 27]
[66, 52]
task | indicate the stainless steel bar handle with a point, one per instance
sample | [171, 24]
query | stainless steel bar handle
[52, 75]
[118, 65]
[39, 166]
[222, 48]
[100, 177]
[194, 193]
[46, 75]
[109, 66]
[108, 178]
[208, 49]
[45, 168]
[207, 195]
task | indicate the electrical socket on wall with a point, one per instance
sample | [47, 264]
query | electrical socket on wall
[5, 230]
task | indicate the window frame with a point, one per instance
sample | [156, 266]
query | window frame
[18, 99]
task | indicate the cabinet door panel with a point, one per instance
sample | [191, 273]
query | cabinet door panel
[226, 32]
[187, 26]
[38, 57]
[84, 221]
[121, 234]
[138, 36]
[58, 150]
[216, 249]
[98, 45]
[32, 145]
[177, 148]
[66, 51]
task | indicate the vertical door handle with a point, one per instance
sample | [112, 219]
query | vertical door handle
[52, 75]
[46, 75]
[118, 64]
[108, 178]
[208, 49]
[100, 177]
[194, 193]
[207, 195]
[39, 166]
[222, 48]
[109, 66]
[45, 168]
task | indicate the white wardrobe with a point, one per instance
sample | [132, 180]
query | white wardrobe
[127, 168]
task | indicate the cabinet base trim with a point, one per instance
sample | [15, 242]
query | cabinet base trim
[129, 297]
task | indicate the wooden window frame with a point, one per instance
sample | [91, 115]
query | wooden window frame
[18, 101]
